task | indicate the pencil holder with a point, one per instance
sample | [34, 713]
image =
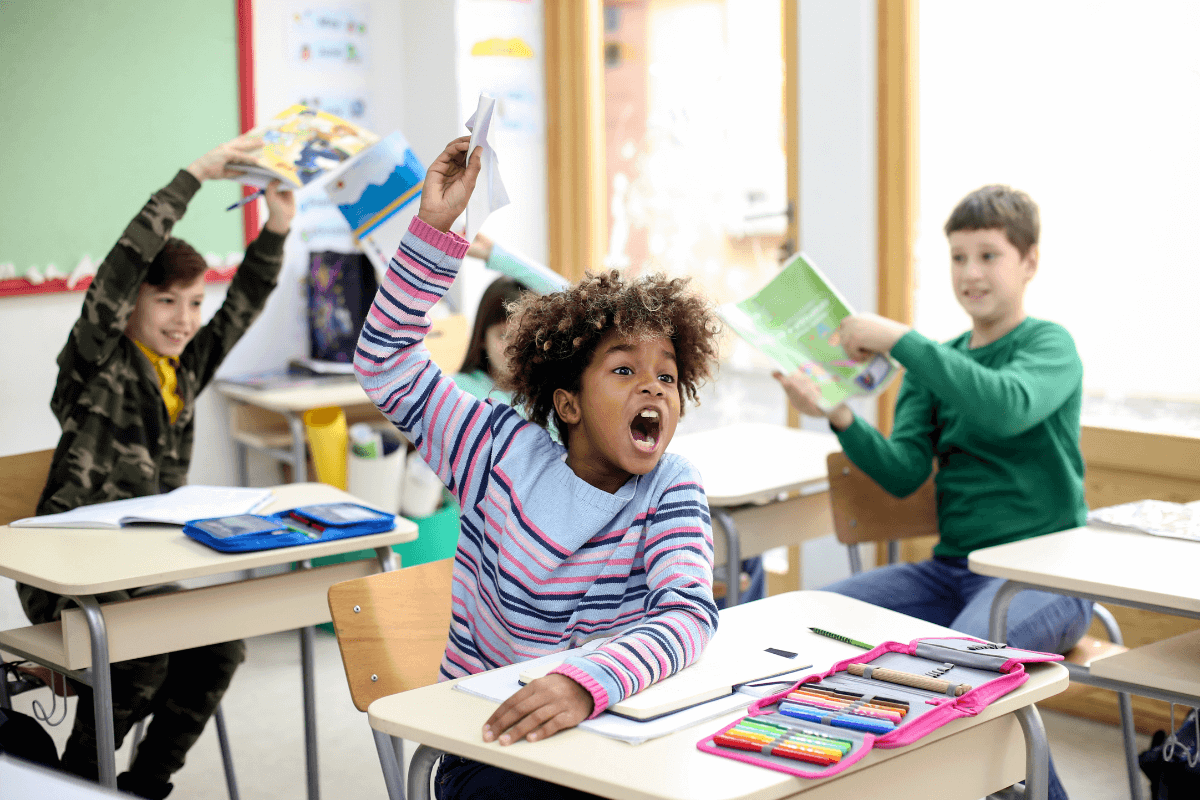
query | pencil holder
[888, 697]
[328, 439]
[377, 480]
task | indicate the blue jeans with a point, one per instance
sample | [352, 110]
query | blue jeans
[463, 779]
[943, 591]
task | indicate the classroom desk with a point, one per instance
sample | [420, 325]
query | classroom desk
[291, 403]
[82, 563]
[965, 759]
[767, 486]
[1111, 566]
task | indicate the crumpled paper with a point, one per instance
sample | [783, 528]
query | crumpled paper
[489, 193]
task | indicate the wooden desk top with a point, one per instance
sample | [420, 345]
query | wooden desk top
[295, 399]
[755, 462]
[1122, 565]
[671, 768]
[77, 561]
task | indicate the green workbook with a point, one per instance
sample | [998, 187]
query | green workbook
[794, 320]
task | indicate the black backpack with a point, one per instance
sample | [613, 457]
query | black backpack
[23, 736]
[1177, 778]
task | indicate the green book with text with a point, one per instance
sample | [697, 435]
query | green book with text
[794, 320]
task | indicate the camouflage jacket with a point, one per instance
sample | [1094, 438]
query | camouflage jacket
[117, 439]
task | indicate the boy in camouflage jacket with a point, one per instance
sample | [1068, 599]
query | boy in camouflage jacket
[125, 397]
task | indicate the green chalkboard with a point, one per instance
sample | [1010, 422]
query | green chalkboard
[102, 101]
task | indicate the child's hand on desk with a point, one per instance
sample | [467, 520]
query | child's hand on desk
[449, 182]
[544, 707]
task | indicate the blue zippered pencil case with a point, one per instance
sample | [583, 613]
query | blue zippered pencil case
[323, 522]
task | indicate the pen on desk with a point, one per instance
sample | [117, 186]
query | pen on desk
[840, 638]
[247, 199]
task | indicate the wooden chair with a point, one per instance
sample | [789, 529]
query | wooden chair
[23, 477]
[863, 511]
[391, 630]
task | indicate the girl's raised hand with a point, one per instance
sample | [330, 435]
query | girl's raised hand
[449, 183]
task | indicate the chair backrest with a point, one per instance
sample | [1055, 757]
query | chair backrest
[392, 628]
[863, 511]
[447, 342]
[22, 477]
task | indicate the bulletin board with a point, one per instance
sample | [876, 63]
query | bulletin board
[103, 102]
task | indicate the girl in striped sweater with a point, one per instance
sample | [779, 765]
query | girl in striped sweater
[603, 535]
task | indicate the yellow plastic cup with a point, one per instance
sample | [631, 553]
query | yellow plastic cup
[328, 439]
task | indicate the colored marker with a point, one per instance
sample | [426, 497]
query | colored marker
[840, 638]
[834, 748]
[307, 522]
[842, 721]
[889, 716]
[846, 703]
[785, 752]
[895, 705]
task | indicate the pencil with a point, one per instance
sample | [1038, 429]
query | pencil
[840, 638]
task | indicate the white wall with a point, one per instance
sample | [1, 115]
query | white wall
[837, 185]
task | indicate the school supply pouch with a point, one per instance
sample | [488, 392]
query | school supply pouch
[888, 697]
[304, 525]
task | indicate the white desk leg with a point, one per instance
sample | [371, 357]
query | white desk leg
[307, 638]
[733, 556]
[1037, 753]
[299, 454]
[100, 675]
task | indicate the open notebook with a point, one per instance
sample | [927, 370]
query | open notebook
[177, 507]
[724, 666]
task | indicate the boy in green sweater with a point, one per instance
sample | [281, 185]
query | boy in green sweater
[998, 407]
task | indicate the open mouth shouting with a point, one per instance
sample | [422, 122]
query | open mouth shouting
[645, 429]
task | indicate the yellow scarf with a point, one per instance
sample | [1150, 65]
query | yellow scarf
[167, 382]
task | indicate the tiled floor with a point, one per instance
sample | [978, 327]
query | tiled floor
[264, 717]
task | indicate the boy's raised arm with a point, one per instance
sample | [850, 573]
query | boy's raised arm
[1003, 402]
[113, 293]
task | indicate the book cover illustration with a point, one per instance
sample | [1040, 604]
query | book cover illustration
[300, 144]
[377, 194]
[793, 321]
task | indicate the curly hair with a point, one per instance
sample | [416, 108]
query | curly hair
[553, 337]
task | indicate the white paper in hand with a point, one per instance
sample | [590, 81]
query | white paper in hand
[489, 191]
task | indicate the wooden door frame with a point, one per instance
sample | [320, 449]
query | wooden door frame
[575, 164]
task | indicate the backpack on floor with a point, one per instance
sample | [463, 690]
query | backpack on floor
[23, 736]
[1173, 763]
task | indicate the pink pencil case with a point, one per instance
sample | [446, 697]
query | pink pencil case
[825, 723]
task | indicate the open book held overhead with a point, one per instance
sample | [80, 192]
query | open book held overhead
[300, 145]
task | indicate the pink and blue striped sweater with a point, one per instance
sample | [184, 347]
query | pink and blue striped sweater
[545, 561]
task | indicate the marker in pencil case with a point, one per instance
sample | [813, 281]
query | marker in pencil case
[885, 702]
[755, 734]
[890, 708]
[844, 708]
[796, 754]
[813, 737]
[865, 724]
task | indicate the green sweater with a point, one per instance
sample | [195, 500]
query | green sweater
[1003, 423]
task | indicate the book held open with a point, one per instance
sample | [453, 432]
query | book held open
[793, 321]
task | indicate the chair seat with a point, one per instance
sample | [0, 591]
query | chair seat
[1090, 649]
